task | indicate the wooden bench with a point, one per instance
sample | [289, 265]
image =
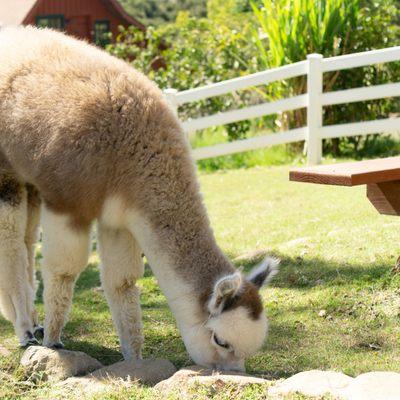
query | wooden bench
[382, 177]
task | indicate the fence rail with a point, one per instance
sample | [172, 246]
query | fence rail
[291, 103]
[259, 78]
[314, 100]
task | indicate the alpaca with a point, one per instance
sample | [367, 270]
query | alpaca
[86, 138]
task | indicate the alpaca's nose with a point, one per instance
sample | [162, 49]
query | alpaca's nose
[236, 366]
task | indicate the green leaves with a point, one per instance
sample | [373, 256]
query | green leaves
[295, 28]
[156, 12]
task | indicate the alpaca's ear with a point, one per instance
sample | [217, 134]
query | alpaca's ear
[224, 289]
[263, 273]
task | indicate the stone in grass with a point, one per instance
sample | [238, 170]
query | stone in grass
[120, 374]
[148, 371]
[373, 386]
[195, 375]
[312, 383]
[84, 385]
[55, 365]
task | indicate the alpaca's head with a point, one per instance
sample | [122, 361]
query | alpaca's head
[236, 326]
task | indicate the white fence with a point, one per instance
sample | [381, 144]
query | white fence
[314, 100]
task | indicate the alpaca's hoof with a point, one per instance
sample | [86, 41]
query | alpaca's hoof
[57, 346]
[29, 340]
[39, 332]
[29, 343]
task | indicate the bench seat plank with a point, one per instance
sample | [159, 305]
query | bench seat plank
[351, 173]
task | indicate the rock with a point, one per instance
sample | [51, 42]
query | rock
[194, 375]
[372, 386]
[57, 365]
[150, 371]
[312, 383]
[121, 374]
[84, 385]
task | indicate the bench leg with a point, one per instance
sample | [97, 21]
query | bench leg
[385, 197]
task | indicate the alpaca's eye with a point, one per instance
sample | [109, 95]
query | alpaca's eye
[220, 342]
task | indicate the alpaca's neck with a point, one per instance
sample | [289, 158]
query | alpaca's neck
[185, 271]
[168, 218]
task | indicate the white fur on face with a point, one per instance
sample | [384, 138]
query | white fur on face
[244, 334]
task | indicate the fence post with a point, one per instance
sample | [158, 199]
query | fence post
[170, 95]
[314, 109]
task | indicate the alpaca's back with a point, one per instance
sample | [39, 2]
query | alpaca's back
[48, 77]
[43, 50]
[72, 118]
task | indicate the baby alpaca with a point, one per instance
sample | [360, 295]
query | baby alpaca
[85, 138]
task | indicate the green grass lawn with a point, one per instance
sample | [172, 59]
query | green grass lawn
[335, 304]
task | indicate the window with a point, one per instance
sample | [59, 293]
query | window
[101, 33]
[51, 21]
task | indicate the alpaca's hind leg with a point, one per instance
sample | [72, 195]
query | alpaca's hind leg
[121, 266]
[16, 294]
[65, 254]
[31, 237]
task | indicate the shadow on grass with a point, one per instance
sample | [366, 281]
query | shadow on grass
[159, 304]
[281, 337]
[6, 328]
[286, 351]
[298, 272]
[295, 272]
[88, 279]
[104, 354]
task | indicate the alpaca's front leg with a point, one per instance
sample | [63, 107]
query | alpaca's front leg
[65, 254]
[121, 266]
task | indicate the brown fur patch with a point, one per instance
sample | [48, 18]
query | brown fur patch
[10, 191]
[248, 297]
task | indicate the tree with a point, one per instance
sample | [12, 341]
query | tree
[155, 12]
